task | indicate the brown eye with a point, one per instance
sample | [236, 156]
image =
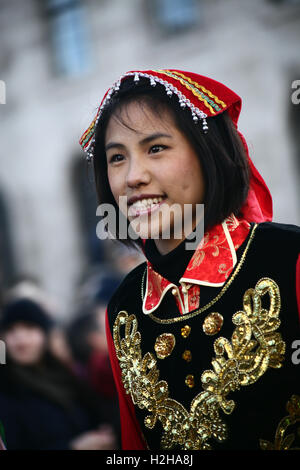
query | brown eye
[116, 158]
[157, 148]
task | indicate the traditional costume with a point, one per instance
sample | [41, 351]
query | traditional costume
[202, 343]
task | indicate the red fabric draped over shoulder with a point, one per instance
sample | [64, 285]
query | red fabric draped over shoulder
[130, 429]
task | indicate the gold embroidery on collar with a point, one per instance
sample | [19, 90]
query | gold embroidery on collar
[284, 441]
[255, 345]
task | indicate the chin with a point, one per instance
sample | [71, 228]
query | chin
[25, 361]
[146, 230]
[155, 228]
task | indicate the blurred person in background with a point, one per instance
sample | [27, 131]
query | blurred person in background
[28, 286]
[87, 340]
[59, 346]
[43, 405]
[126, 258]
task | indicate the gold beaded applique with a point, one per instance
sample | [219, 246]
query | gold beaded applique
[164, 345]
[284, 441]
[254, 347]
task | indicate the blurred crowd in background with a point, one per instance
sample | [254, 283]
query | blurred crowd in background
[56, 385]
[57, 59]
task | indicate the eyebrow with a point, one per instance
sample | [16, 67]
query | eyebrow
[144, 141]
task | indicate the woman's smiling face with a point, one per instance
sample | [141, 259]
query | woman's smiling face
[154, 166]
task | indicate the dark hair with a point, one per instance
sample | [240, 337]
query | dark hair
[221, 152]
[25, 310]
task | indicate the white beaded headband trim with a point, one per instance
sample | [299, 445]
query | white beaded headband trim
[170, 89]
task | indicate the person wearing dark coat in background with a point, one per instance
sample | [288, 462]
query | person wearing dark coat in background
[43, 405]
[87, 341]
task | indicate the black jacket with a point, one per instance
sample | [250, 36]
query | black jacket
[244, 375]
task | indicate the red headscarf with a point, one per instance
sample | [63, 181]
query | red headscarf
[206, 98]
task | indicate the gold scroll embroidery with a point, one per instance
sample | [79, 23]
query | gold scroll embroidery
[255, 345]
[282, 440]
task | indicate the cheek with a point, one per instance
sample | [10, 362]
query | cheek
[37, 341]
[170, 174]
[13, 341]
[188, 178]
[9, 340]
[193, 176]
[111, 180]
[180, 177]
[117, 186]
[116, 180]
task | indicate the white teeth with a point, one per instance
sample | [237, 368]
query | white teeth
[146, 203]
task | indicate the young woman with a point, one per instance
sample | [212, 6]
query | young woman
[202, 341]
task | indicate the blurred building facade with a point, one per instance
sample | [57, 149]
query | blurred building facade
[58, 57]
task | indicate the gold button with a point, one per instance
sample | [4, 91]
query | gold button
[190, 381]
[174, 291]
[185, 331]
[212, 323]
[187, 355]
[164, 345]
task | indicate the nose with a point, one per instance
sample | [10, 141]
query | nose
[138, 173]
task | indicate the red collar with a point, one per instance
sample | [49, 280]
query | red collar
[210, 265]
